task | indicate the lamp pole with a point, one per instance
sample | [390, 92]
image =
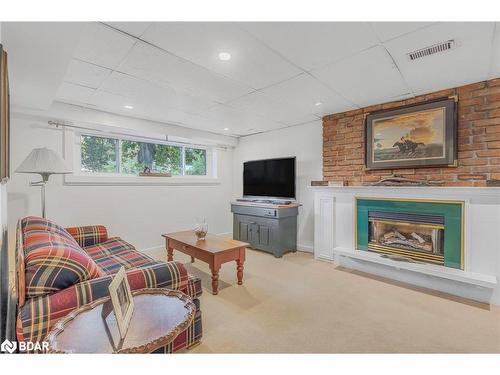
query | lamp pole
[45, 178]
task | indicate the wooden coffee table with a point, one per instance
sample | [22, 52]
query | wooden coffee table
[214, 250]
[159, 316]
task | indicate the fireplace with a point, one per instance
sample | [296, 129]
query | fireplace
[412, 230]
[415, 236]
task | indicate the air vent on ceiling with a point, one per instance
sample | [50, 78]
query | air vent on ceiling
[432, 50]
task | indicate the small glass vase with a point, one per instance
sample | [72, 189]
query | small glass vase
[201, 229]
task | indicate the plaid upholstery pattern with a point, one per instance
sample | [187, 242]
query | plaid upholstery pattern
[89, 235]
[53, 260]
[34, 223]
[38, 315]
[40, 312]
[115, 253]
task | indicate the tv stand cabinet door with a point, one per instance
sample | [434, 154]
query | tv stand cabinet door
[242, 228]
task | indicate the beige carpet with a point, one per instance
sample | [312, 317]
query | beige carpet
[299, 305]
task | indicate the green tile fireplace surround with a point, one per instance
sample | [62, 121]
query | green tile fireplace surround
[442, 219]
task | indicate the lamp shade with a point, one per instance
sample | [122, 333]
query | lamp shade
[43, 161]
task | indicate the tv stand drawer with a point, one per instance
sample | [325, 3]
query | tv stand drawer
[276, 213]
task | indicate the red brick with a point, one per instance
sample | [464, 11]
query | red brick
[478, 132]
[495, 144]
[473, 161]
[472, 177]
[487, 153]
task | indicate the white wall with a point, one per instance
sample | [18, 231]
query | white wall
[139, 214]
[303, 141]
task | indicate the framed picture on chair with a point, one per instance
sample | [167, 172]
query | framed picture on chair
[121, 300]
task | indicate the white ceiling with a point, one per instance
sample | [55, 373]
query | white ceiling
[278, 71]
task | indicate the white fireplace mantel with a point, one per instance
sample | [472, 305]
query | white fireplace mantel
[334, 239]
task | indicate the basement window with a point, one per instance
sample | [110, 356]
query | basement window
[124, 156]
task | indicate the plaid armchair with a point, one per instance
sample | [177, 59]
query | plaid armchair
[45, 270]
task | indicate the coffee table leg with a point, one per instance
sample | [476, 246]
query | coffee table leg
[215, 280]
[192, 259]
[239, 271]
[170, 253]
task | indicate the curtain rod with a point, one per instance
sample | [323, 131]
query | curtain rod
[62, 124]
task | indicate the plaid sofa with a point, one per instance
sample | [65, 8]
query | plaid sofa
[61, 269]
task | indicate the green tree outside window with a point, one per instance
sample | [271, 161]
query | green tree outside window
[98, 154]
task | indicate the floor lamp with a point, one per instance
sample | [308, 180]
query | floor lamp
[44, 162]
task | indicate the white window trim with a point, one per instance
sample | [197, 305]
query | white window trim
[72, 154]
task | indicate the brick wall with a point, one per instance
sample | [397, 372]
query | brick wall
[478, 140]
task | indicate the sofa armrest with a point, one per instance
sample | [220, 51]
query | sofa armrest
[89, 235]
[38, 315]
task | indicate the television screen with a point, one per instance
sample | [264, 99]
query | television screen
[273, 178]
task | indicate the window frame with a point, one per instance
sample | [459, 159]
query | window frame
[73, 140]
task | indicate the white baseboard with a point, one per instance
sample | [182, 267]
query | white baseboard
[162, 247]
[305, 248]
[152, 249]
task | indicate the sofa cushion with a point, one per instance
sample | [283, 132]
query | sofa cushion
[39, 224]
[53, 259]
[115, 253]
[88, 235]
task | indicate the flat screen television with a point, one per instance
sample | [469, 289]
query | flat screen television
[269, 178]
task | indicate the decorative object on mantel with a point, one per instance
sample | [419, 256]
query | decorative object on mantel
[422, 135]
[147, 173]
[45, 162]
[398, 180]
[328, 183]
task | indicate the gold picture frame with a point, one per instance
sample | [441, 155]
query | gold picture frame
[412, 136]
[121, 300]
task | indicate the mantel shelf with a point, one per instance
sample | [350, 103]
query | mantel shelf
[487, 192]
[486, 281]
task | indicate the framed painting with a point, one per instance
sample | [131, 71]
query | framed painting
[422, 135]
[4, 117]
[121, 302]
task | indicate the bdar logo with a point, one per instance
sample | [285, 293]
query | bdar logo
[8, 346]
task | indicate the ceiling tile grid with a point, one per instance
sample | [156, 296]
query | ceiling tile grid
[279, 74]
[468, 62]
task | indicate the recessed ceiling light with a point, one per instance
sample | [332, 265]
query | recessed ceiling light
[317, 104]
[128, 107]
[224, 56]
[226, 129]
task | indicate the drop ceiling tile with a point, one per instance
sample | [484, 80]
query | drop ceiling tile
[75, 94]
[133, 28]
[367, 78]
[270, 108]
[235, 118]
[103, 46]
[314, 44]
[252, 63]
[391, 30]
[468, 62]
[109, 101]
[164, 69]
[141, 91]
[304, 92]
[85, 74]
